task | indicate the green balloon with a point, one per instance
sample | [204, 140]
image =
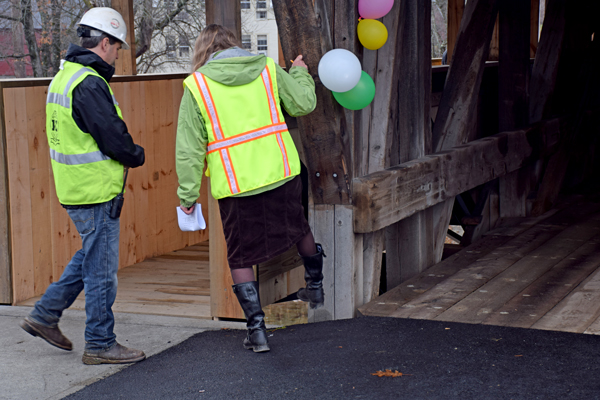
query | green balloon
[359, 96]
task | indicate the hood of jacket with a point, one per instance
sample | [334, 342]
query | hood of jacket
[87, 58]
[234, 66]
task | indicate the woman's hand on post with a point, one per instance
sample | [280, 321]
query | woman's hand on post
[298, 62]
[187, 210]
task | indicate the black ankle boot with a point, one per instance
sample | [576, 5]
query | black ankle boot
[313, 275]
[247, 295]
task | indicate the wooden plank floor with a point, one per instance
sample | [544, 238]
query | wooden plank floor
[175, 284]
[538, 273]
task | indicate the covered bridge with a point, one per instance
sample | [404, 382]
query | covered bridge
[500, 142]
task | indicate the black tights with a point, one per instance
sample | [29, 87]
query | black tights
[306, 247]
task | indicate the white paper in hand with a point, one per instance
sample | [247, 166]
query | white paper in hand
[192, 222]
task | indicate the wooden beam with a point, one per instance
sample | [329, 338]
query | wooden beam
[408, 244]
[322, 223]
[125, 64]
[534, 27]
[454, 120]
[545, 66]
[323, 132]
[456, 9]
[279, 264]
[227, 13]
[452, 123]
[5, 249]
[575, 82]
[375, 125]
[495, 43]
[514, 66]
[513, 87]
[385, 197]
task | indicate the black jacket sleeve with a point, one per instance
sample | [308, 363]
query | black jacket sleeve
[95, 113]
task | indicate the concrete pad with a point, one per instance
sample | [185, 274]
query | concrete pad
[32, 369]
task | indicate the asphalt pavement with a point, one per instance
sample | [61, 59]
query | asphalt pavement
[361, 358]
[367, 358]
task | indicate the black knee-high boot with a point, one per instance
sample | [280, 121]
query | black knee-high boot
[247, 295]
[313, 275]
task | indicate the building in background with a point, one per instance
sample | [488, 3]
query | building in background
[259, 28]
[172, 47]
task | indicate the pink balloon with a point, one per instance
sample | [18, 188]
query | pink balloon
[374, 9]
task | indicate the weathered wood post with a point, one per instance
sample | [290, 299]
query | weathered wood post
[408, 245]
[453, 125]
[125, 64]
[306, 30]
[560, 83]
[513, 102]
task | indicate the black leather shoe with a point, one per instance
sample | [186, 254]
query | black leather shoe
[115, 355]
[51, 335]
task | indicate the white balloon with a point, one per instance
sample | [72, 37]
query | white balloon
[339, 70]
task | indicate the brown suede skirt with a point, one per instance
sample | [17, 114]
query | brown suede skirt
[260, 227]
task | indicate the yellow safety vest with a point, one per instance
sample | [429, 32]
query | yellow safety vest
[82, 173]
[249, 145]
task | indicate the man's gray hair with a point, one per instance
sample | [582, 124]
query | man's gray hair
[92, 41]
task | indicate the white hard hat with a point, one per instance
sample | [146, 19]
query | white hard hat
[107, 20]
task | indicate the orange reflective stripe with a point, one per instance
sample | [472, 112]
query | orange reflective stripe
[209, 104]
[246, 137]
[286, 164]
[231, 178]
[266, 77]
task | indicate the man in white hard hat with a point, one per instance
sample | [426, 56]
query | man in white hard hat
[90, 147]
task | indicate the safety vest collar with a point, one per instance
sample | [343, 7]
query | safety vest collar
[63, 99]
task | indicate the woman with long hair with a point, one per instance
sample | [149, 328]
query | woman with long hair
[231, 115]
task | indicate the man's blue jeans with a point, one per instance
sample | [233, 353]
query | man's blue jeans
[93, 269]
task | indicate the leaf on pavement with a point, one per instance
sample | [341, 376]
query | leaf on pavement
[389, 372]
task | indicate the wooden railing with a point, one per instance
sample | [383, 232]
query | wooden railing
[39, 238]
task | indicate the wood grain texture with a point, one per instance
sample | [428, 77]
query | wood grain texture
[456, 10]
[226, 13]
[408, 242]
[476, 307]
[125, 64]
[45, 237]
[223, 302]
[5, 250]
[388, 196]
[458, 101]
[539, 273]
[545, 66]
[324, 134]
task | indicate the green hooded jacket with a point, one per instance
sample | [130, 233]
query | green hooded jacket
[232, 67]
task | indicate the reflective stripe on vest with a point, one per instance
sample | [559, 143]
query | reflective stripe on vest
[82, 173]
[78, 159]
[216, 124]
[222, 145]
[63, 99]
[266, 77]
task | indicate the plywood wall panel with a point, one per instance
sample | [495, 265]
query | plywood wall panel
[43, 239]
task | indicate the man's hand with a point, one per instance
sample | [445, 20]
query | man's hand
[298, 62]
[186, 210]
